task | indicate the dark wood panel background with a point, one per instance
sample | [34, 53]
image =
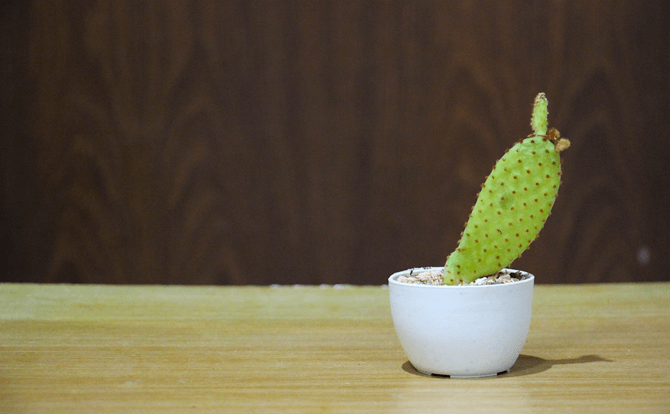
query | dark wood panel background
[257, 142]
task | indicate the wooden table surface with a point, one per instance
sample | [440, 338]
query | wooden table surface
[125, 349]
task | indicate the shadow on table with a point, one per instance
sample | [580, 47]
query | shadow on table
[524, 365]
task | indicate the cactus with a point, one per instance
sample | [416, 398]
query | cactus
[513, 204]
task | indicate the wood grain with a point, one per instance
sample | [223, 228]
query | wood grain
[111, 349]
[258, 142]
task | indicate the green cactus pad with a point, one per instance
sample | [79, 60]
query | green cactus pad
[511, 208]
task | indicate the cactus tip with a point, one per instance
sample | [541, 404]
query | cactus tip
[538, 120]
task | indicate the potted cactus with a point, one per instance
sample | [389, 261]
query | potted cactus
[471, 317]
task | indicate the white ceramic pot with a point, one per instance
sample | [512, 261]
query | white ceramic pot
[461, 331]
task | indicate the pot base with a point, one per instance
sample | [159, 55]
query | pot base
[462, 376]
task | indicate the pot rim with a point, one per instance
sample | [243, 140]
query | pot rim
[392, 280]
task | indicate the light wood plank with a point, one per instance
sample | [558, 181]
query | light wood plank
[116, 349]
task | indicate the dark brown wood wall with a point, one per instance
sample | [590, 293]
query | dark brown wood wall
[258, 142]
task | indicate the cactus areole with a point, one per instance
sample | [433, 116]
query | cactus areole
[513, 204]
